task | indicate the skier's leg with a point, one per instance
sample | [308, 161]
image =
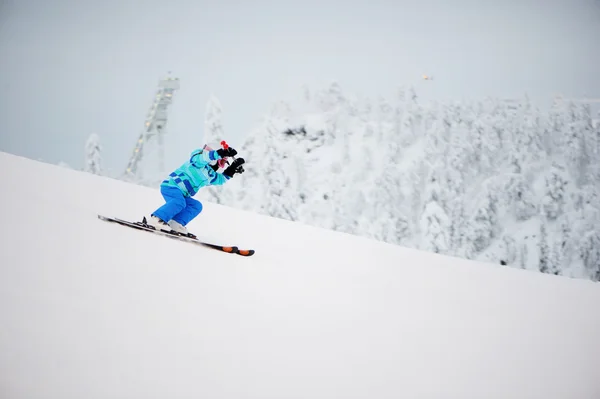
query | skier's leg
[192, 209]
[175, 202]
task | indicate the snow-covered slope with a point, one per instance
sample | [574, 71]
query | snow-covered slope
[95, 310]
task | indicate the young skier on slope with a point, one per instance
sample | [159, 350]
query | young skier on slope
[201, 170]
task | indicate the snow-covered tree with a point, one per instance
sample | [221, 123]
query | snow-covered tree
[457, 228]
[483, 227]
[390, 207]
[248, 191]
[213, 121]
[510, 249]
[277, 203]
[575, 139]
[418, 182]
[589, 251]
[556, 258]
[544, 257]
[434, 221]
[555, 126]
[93, 155]
[279, 168]
[488, 142]
[520, 197]
[555, 197]
[523, 256]
[331, 98]
[435, 228]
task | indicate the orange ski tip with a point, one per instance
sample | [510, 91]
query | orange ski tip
[228, 249]
[246, 252]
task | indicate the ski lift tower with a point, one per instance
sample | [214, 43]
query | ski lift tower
[150, 143]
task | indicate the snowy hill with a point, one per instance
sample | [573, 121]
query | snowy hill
[95, 310]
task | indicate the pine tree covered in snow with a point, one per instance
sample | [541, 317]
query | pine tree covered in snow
[93, 156]
[562, 251]
[556, 258]
[213, 121]
[544, 262]
[278, 168]
[523, 256]
[483, 226]
[520, 197]
[590, 253]
[434, 225]
[555, 198]
[574, 142]
[510, 250]
[391, 207]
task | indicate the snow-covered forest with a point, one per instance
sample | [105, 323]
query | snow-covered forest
[93, 155]
[493, 180]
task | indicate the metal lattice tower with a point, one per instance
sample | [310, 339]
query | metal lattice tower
[154, 129]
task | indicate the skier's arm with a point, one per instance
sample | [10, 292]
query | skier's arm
[220, 179]
[235, 167]
[201, 158]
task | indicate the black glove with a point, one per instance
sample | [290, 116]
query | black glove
[235, 167]
[226, 152]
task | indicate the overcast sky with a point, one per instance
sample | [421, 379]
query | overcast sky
[72, 67]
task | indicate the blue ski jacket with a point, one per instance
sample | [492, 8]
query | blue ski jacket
[196, 173]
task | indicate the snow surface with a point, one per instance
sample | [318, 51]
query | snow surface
[96, 310]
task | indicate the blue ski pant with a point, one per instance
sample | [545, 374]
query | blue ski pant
[178, 207]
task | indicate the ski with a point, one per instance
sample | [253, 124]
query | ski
[193, 240]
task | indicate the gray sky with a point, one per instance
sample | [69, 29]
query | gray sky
[72, 67]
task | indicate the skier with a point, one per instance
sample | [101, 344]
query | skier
[206, 167]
